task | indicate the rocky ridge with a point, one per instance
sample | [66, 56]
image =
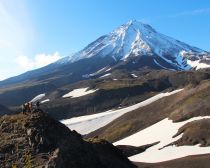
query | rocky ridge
[37, 140]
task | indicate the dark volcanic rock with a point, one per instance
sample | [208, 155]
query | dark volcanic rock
[36, 140]
[133, 150]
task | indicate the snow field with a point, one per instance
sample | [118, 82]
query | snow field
[38, 97]
[79, 92]
[90, 123]
[162, 132]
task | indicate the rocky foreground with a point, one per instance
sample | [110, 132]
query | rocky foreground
[37, 140]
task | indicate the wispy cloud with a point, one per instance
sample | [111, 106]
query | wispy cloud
[194, 12]
[40, 60]
[190, 13]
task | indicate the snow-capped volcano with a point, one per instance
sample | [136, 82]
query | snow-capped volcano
[132, 47]
[135, 39]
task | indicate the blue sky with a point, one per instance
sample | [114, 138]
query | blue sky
[35, 33]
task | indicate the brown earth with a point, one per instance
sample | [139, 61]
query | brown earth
[111, 94]
[196, 132]
[122, 92]
[36, 140]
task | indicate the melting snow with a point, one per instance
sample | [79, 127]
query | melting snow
[38, 97]
[161, 65]
[95, 73]
[46, 100]
[108, 69]
[162, 131]
[90, 123]
[79, 92]
[197, 64]
[134, 75]
[108, 74]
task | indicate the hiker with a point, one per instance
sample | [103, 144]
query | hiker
[24, 108]
[27, 107]
[30, 106]
[38, 105]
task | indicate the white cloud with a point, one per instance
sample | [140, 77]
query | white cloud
[40, 60]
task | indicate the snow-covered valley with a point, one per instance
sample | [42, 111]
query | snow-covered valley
[90, 123]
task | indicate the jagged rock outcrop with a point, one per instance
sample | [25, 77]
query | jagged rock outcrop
[37, 140]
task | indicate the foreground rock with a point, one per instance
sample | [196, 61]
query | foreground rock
[133, 150]
[36, 140]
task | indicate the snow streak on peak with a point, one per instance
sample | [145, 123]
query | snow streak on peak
[138, 39]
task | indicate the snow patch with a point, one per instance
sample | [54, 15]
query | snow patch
[162, 66]
[38, 98]
[108, 74]
[90, 123]
[79, 92]
[134, 75]
[46, 100]
[159, 64]
[97, 72]
[108, 69]
[162, 131]
[197, 64]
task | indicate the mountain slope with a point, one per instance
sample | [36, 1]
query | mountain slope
[190, 102]
[178, 124]
[131, 41]
[135, 39]
[4, 110]
[36, 140]
[131, 48]
[123, 92]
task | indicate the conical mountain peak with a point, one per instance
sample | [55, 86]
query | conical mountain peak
[134, 39]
